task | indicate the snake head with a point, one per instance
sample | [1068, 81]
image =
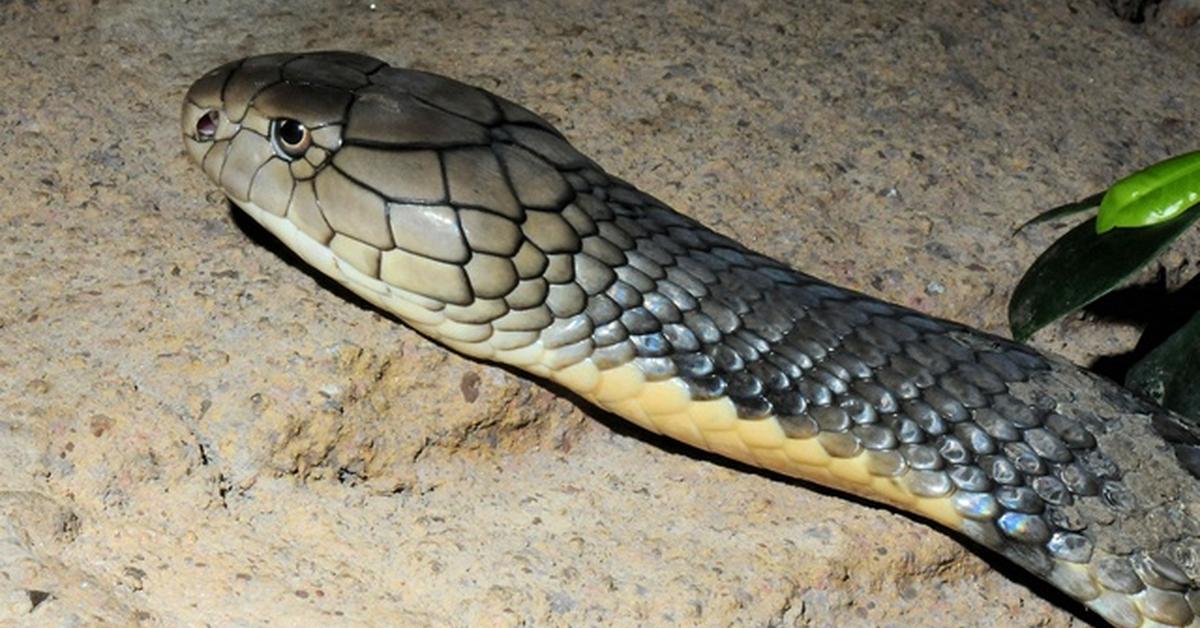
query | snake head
[440, 202]
[259, 124]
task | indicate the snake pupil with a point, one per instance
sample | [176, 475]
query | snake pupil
[291, 137]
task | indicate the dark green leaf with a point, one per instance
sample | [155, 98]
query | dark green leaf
[1152, 195]
[1168, 374]
[1082, 266]
[1090, 202]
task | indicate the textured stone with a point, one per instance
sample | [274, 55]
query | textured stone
[182, 406]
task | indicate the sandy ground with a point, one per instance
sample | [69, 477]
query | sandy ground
[198, 432]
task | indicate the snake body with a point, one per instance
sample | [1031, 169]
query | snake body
[474, 221]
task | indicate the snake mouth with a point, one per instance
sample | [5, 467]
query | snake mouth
[206, 125]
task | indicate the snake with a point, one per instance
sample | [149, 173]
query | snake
[474, 221]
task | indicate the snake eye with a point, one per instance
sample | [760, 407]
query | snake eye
[206, 126]
[291, 138]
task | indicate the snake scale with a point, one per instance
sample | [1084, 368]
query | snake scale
[474, 221]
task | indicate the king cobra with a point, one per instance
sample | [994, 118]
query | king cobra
[475, 222]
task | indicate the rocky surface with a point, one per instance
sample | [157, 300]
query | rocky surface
[197, 431]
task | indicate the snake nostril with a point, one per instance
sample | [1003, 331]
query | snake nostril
[206, 126]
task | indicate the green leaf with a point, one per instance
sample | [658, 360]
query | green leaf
[1152, 195]
[1168, 374]
[1090, 202]
[1082, 266]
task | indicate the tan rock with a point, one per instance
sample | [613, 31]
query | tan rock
[196, 430]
